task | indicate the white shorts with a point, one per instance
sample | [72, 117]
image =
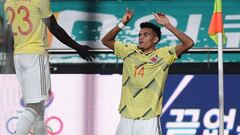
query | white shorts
[139, 127]
[33, 74]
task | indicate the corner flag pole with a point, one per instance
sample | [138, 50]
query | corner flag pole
[220, 84]
[216, 33]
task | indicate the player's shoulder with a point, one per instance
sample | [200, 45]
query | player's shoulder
[126, 44]
[36, 2]
[164, 49]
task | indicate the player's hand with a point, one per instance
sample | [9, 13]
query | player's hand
[127, 16]
[84, 52]
[161, 18]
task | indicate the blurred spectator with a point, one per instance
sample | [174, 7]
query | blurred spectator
[1, 31]
[2, 53]
[6, 49]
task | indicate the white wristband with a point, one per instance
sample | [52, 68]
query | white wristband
[121, 25]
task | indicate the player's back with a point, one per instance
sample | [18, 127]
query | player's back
[29, 30]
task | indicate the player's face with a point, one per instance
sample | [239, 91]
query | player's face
[147, 39]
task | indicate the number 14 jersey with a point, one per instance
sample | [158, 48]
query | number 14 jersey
[29, 30]
[143, 79]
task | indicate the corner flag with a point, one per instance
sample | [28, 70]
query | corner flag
[216, 24]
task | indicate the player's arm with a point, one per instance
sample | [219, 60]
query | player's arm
[186, 41]
[62, 36]
[109, 39]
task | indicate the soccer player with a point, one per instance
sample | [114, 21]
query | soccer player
[28, 20]
[145, 69]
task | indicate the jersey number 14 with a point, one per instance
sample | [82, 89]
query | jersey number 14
[139, 71]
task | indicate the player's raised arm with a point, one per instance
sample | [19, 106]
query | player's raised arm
[187, 42]
[62, 36]
[109, 39]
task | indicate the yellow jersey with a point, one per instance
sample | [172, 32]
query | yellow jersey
[143, 79]
[29, 30]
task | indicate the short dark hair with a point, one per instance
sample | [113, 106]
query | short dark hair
[152, 26]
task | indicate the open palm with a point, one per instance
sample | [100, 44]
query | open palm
[127, 16]
[161, 18]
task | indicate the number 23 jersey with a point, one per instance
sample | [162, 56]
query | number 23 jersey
[29, 30]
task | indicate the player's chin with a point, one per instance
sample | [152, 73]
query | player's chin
[141, 47]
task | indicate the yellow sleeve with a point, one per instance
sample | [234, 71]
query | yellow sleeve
[44, 9]
[123, 49]
[170, 55]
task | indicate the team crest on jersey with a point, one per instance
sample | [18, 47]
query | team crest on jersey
[154, 60]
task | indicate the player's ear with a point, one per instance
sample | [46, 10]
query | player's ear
[155, 40]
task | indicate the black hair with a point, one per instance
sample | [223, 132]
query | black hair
[152, 26]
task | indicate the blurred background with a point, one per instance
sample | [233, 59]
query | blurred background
[86, 94]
